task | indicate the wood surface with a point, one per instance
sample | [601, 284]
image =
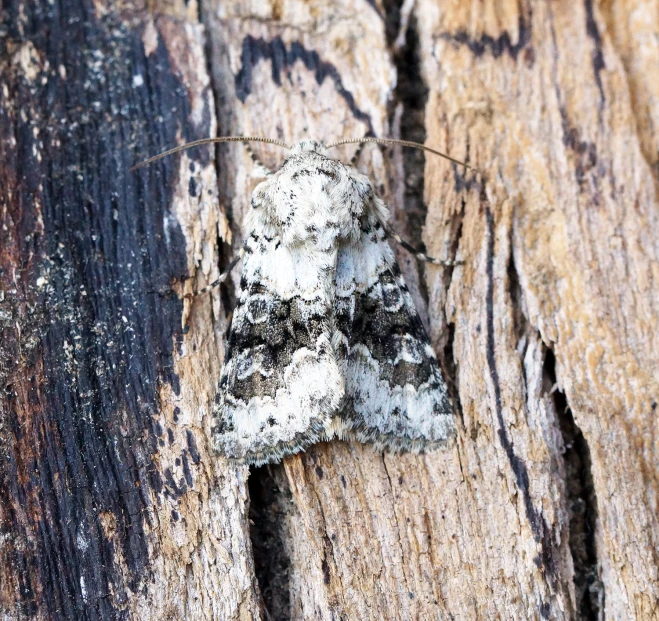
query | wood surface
[112, 503]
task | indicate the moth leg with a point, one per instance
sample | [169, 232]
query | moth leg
[421, 256]
[220, 279]
[358, 152]
[255, 158]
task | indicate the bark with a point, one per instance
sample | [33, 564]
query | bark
[113, 505]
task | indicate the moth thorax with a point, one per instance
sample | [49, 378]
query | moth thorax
[315, 200]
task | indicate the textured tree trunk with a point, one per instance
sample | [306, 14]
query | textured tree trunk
[112, 503]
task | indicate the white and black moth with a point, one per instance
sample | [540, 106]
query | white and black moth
[325, 340]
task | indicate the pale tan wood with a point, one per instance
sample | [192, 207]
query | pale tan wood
[554, 126]
[632, 34]
[202, 564]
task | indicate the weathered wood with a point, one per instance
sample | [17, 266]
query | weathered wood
[546, 507]
[112, 506]
[574, 214]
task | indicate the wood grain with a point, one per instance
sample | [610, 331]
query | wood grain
[572, 195]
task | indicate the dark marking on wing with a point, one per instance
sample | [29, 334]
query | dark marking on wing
[289, 327]
[387, 332]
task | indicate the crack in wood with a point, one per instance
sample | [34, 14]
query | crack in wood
[269, 502]
[598, 57]
[412, 93]
[541, 531]
[581, 502]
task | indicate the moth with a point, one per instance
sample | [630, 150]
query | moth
[325, 341]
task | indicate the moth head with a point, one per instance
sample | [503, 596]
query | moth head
[313, 199]
[306, 146]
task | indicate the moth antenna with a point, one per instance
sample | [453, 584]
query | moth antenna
[196, 143]
[220, 279]
[421, 256]
[402, 143]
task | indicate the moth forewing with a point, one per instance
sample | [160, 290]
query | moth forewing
[325, 340]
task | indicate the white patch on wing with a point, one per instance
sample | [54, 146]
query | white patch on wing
[407, 350]
[403, 411]
[249, 362]
[313, 389]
